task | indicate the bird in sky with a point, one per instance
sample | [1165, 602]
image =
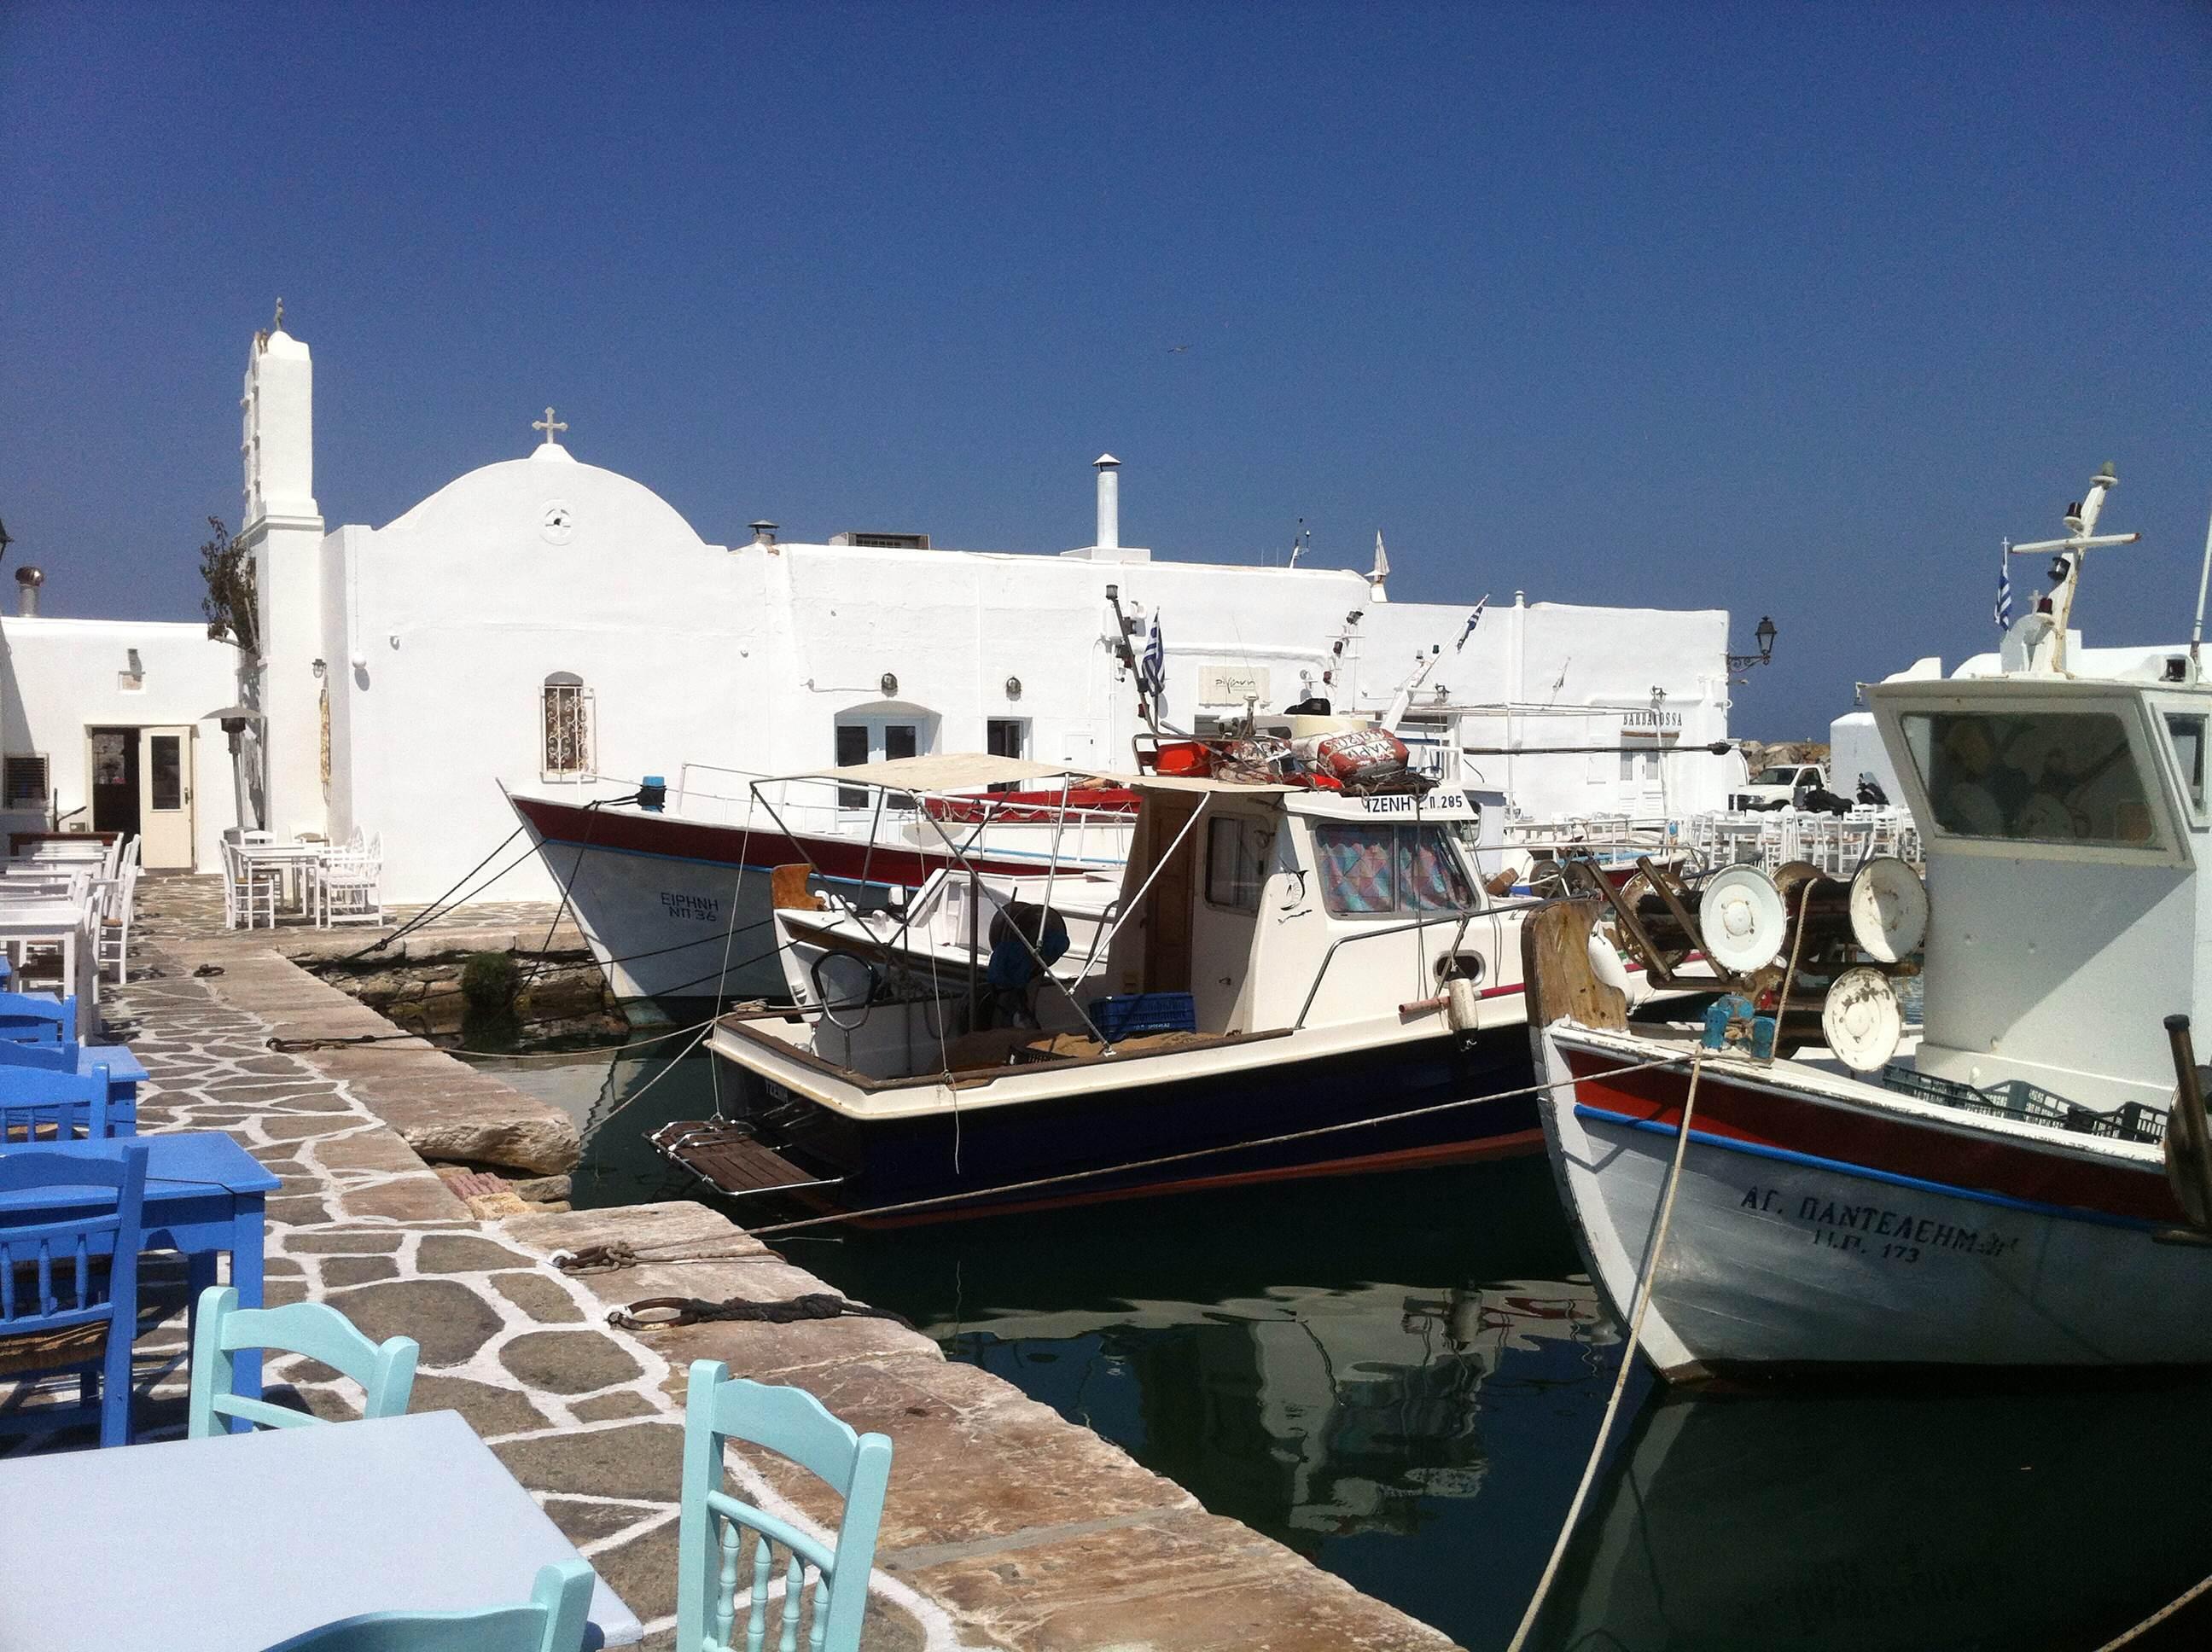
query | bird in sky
[1177, 349]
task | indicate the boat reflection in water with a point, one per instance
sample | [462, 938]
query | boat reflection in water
[1305, 1413]
[1421, 1438]
[2045, 1519]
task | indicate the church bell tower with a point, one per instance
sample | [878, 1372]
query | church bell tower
[284, 533]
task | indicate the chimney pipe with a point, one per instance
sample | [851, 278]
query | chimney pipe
[1110, 502]
[27, 581]
[763, 533]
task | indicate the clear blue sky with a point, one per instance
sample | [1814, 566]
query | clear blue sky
[1787, 308]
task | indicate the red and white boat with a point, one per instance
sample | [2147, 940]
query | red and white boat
[2001, 1197]
[673, 896]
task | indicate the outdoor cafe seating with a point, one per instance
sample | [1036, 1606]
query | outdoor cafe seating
[265, 878]
[264, 1540]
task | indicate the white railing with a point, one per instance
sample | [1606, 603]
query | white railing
[1837, 844]
[1076, 839]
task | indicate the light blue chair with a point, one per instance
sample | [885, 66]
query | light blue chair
[69, 1288]
[385, 1371]
[41, 1104]
[711, 1527]
[557, 1620]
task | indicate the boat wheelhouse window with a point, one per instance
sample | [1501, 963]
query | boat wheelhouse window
[2039, 777]
[1369, 868]
[1237, 863]
[2186, 731]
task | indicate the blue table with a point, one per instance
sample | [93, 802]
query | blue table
[204, 1197]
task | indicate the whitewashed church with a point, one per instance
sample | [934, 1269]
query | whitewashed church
[542, 623]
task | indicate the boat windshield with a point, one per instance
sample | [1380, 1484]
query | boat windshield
[1374, 868]
[2043, 776]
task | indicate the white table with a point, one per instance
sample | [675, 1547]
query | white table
[292, 860]
[57, 923]
[233, 1543]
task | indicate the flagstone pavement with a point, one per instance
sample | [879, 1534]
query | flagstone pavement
[1005, 1526]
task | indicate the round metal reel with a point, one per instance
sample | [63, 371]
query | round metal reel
[1861, 1020]
[1889, 909]
[1741, 914]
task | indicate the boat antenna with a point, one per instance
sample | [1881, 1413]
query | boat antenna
[2203, 575]
[1299, 541]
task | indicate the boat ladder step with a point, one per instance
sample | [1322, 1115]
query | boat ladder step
[728, 1156]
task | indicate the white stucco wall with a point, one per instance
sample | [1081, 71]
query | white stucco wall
[61, 677]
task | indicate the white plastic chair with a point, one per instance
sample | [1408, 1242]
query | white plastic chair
[249, 892]
[111, 922]
[349, 885]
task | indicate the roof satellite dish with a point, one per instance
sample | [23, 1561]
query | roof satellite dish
[1741, 914]
[1862, 1020]
[1889, 909]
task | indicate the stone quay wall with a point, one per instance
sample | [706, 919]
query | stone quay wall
[1004, 1527]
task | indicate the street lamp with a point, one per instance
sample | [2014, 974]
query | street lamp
[1764, 635]
[234, 719]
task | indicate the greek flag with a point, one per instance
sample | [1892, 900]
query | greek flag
[1472, 620]
[1153, 670]
[2003, 609]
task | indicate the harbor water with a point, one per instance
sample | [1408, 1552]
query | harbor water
[1400, 1376]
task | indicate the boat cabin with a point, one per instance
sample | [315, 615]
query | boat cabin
[1244, 911]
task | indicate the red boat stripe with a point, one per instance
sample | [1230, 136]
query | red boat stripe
[628, 832]
[1894, 1143]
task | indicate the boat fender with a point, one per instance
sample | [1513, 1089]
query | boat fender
[1462, 1004]
[1606, 965]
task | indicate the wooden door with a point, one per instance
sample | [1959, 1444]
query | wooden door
[165, 812]
[1167, 917]
[114, 779]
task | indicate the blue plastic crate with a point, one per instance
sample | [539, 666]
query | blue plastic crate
[1127, 1014]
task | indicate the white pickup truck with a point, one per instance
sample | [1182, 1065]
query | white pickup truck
[1777, 784]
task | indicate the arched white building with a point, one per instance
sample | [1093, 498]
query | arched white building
[542, 623]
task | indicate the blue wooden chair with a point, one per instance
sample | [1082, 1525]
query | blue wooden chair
[557, 1620]
[69, 1287]
[37, 1105]
[36, 1017]
[385, 1371]
[710, 1529]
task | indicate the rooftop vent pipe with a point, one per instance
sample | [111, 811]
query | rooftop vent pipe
[763, 533]
[27, 581]
[1110, 502]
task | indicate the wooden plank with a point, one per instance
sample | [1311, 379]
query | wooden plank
[738, 1164]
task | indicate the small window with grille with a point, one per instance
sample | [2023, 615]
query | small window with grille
[25, 781]
[565, 714]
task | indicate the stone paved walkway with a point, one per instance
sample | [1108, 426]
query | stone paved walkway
[174, 906]
[1005, 1526]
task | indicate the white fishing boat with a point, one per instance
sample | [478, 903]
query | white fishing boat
[2008, 1195]
[1290, 977]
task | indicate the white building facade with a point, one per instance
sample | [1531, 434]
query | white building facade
[543, 624]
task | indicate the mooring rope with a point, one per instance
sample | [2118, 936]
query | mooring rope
[2156, 1618]
[1627, 1360]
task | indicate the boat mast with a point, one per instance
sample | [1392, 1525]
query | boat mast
[2066, 570]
